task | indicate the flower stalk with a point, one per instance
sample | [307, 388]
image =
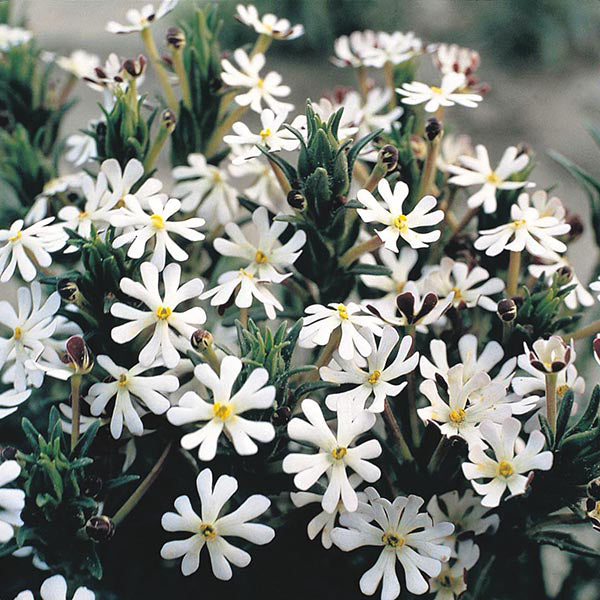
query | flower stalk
[75, 407]
[551, 399]
[514, 269]
[363, 248]
[390, 419]
[160, 71]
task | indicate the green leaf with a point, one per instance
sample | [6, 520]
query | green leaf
[311, 386]
[565, 542]
[564, 413]
[31, 433]
[355, 150]
[588, 417]
[111, 484]
[85, 441]
[365, 269]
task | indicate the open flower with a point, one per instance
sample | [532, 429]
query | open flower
[161, 315]
[397, 223]
[268, 24]
[375, 380]
[10, 400]
[142, 18]
[13, 36]
[477, 171]
[351, 50]
[335, 453]
[551, 355]
[404, 534]
[450, 584]
[121, 182]
[12, 501]
[395, 48]
[507, 469]
[55, 588]
[79, 63]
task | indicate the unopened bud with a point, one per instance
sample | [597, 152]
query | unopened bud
[563, 276]
[201, 340]
[92, 485]
[524, 148]
[77, 355]
[577, 226]
[388, 155]
[135, 68]
[281, 416]
[8, 453]
[100, 528]
[593, 489]
[68, 291]
[175, 38]
[507, 310]
[168, 119]
[433, 129]
[296, 200]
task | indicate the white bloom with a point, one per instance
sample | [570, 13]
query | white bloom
[326, 107]
[130, 389]
[205, 190]
[397, 223]
[335, 453]
[223, 413]
[375, 381]
[595, 285]
[31, 329]
[80, 63]
[142, 18]
[450, 92]
[453, 146]
[258, 89]
[551, 355]
[450, 584]
[211, 528]
[396, 48]
[10, 400]
[39, 240]
[350, 50]
[81, 147]
[122, 182]
[268, 24]
[156, 225]
[452, 276]
[506, 469]
[161, 315]
[324, 320]
[450, 58]
[404, 534]
[13, 36]
[110, 80]
[12, 501]
[262, 248]
[530, 231]
[477, 171]
[55, 588]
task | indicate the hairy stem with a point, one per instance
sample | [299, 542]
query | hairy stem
[160, 71]
[388, 71]
[514, 268]
[369, 246]
[75, 418]
[584, 332]
[390, 419]
[430, 167]
[217, 137]
[551, 399]
[184, 84]
[411, 389]
[244, 317]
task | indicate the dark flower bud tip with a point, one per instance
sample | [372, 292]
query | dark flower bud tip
[8, 453]
[281, 416]
[168, 119]
[201, 339]
[68, 291]
[388, 155]
[175, 37]
[100, 528]
[433, 128]
[563, 276]
[296, 200]
[507, 310]
[136, 67]
[78, 355]
[593, 489]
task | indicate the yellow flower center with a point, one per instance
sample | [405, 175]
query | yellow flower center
[392, 540]
[260, 258]
[493, 178]
[400, 223]
[505, 469]
[595, 512]
[208, 531]
[163, 312]
[18, 333]
[446, 580]
[216, 177]
[457, 293]
[339, 452]
[342, 311]
[561, 390]
[374, 377]
[157, 222]
[245, 273]
[265, 133]
[457, 416]
[83, 215]
[436, 90]
[122, 380]
[260, 83]
[16, 237]
[120, 203]
[518, 224]
[400, 286]
[222, 411]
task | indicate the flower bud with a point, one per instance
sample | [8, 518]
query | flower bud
[296, 200]
[507, 310]
[433, 129]
[596, 348]
[281, 416]
[563, 276]
[8, 453]
[77, 355]
[168, 119]
[68, 291]
[593, 489]
[577, 226]
[175, 38]
[135, 68]
[201, 340]
[100, 528]
[388, 155]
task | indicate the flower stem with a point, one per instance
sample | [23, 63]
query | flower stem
[361, 74]
[325, 356]
[411, 389]
[551, 399]
[377, 174]
[261, 45]
[211, 358]
[369, 246]
[396, 431]
[514, 268]
[75, 418]
[388, 71]
[184, 84]
[584, 332]
[156, 148]
[284, 184]
[430, 167]
[467, 217]
[438, 455]
[160, 71]
[244, 317]
[217, 136]
[141, 490]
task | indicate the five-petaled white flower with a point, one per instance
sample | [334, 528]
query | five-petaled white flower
[476, 170]
[10, 400]
[55, 588]
[404, 534]
[268, 24]
[223, 413]
[79, 63]
[506, 469]
[394, 48]
[258, 89]
[335, 453]
[211, 528]
[161, 314]
[450, 584]
[375, 380]
[400, 224]
[350, 50]
[122, 182]
[142, 18]
[551, 355]
[13, 36]
[12, 501]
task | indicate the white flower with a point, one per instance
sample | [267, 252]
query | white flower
[450, 584]
[161, 315]
[375, 381]
[455, 277]
[271, 136]
[397, 223]
[130, 389]
[595, 285]
[469, 403]
[223, 413]
[142, 18]
[324, 320]
[31, 329]
[335, 453]
[450, 92]
[38, 240]
[530, 231]
[396, 48]
[13, 36]
[404, 534]
[122, 182]
[551, 355]
[506, 469]
[156, 225]
[453, 146]
[268, 24]
[266, 255]
[81, 147]
[10, 400]
[80, 63]
[211, 528]
[259, 89]
[55, 588]
[12, 501]
[477, 171]
[110, 80]
[350, 50]
[450, 58]
[205, 190]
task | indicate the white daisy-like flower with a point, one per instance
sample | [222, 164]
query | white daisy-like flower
[205, 190]
[468, 404]
[261, 246]
[13, 36]
[79, 63]
[161, 316]
[453, 146]
[81, 147]
[450, 584]
[397, 223]
[10, 400]
[478, 171]
[374, 113]
[55, 588]
[141, 227]
[130, 389]
[223, 414]
[471, 287]
[452, 58]
[259, 89]
[322, 321]
[110, 79]
[395, 48]
[526, 231]
[336, 453]
[31, 327]
[450, 92]
[376, 379]
[551, 355]
[350, 50]
[507, 469]
[271, 136]
[268, 24]
[12, 501]
[142, 18]
[404, 535]
[211, 528]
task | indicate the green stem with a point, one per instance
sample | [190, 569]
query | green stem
[326, 355]
[413, 416]
[388, 71]
[244, 317]
[396, 431]
[464, 221]
[430, 167]
[369, 246]
[217, 137]
[514, 268]
[211, 358]
[377, 174]
[439, 454]
[75, 418]
[155, 149]
[584, 332]
[284, 184]
[184, 84]
[261, 45]
[160, 71]
[361, 74]
[551, 399]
